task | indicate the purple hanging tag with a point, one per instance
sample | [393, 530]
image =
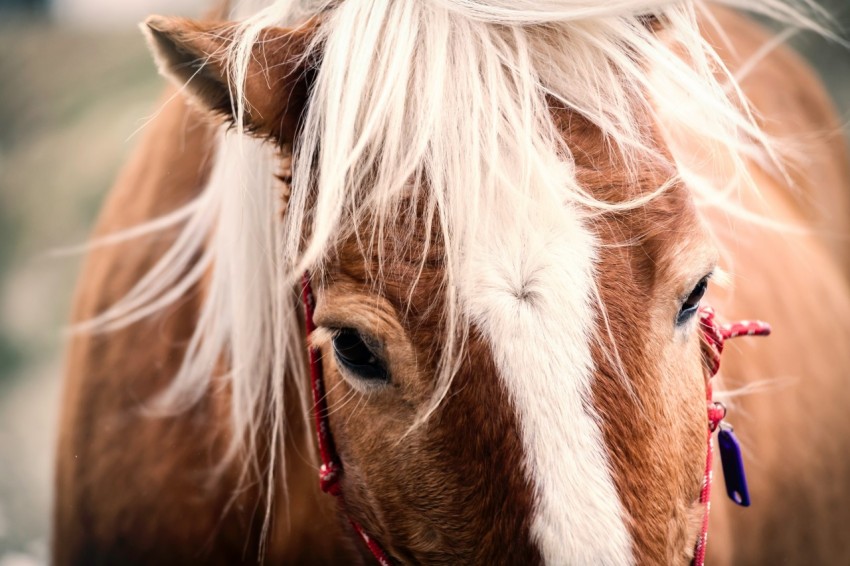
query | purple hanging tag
[733, 466]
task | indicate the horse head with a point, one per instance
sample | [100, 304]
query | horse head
[506, 290]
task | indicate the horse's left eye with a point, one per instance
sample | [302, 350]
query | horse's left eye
[691, 304]
[353, 353]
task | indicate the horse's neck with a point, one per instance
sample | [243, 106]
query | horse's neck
[152, 467]
[800, 285]
[796, 110]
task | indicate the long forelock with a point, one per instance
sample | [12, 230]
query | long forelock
[447, 101]
[459, 94]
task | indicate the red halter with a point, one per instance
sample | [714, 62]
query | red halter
[331, 470]
[715, 335]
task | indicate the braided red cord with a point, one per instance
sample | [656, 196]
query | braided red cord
[715, 336]
[330, 471]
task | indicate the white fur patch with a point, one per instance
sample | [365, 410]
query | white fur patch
[528, 288]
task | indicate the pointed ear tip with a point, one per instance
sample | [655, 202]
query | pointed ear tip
[158, 35]
[155, 24]
[165, 26]
[162, 35]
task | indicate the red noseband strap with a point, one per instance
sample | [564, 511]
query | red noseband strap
[715, 335]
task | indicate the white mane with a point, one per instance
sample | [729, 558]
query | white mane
[452, 92]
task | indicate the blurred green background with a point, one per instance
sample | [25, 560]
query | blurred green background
[76, 83]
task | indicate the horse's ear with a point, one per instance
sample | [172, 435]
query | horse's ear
[195, 54]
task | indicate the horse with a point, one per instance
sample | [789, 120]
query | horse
[470, 242]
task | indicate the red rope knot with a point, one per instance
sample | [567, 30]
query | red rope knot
[716, 413]
[329, 478]
[717, 334]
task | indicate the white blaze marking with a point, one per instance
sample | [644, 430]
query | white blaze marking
[528, 287]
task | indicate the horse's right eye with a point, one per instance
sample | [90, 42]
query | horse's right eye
[355, 355]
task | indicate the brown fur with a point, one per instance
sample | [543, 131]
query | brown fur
[133, 489]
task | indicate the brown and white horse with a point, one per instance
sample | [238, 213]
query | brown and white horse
[509, 212]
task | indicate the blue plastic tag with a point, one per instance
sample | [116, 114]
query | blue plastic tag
[733, 467]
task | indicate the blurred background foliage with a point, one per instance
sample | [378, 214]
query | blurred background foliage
[76, 85]
[74, 90]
